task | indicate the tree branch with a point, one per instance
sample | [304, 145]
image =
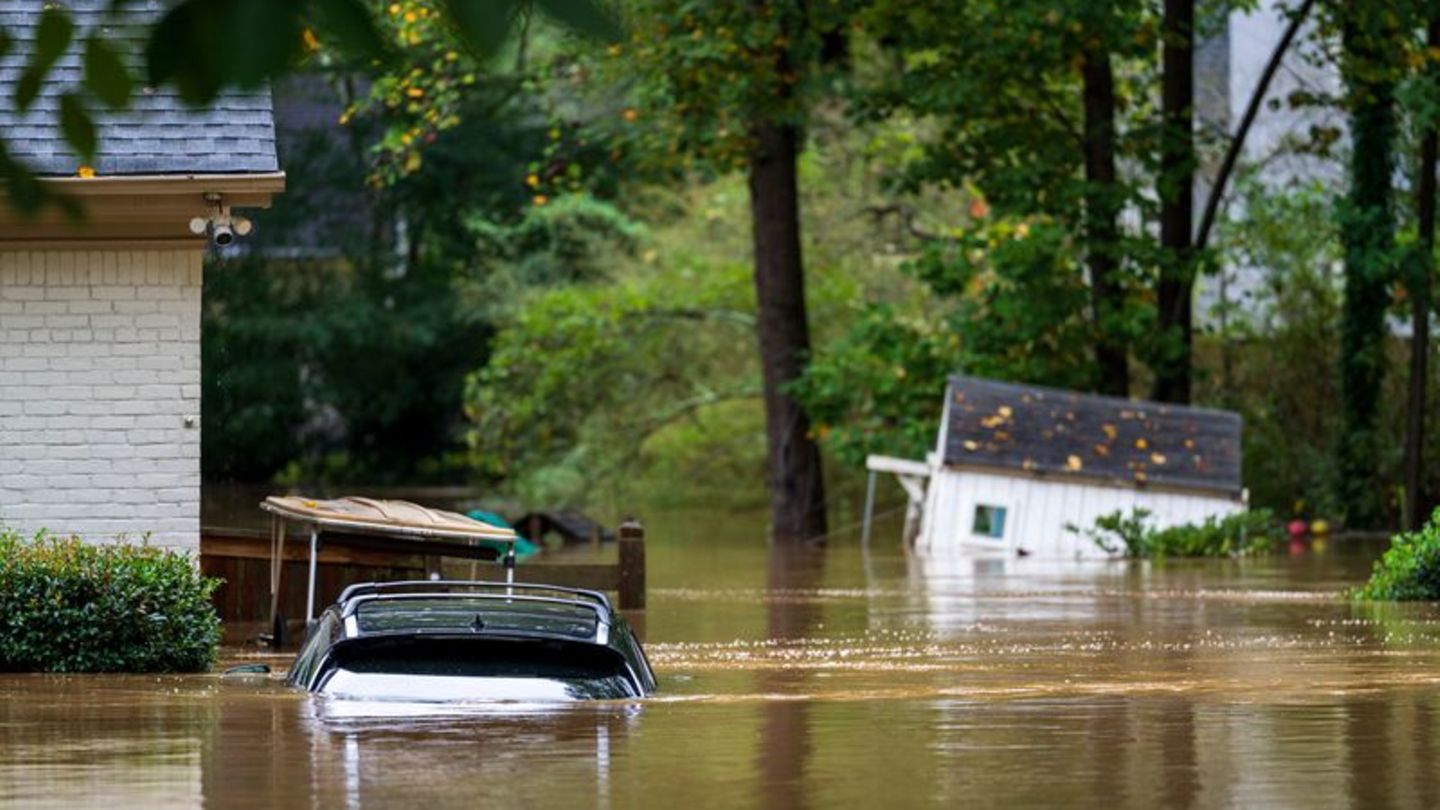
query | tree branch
[1232, 154]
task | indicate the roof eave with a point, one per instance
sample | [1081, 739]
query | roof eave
[1089, 479]
[268, 183]
[133, 211]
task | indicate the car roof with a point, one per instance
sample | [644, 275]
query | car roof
[424, 606]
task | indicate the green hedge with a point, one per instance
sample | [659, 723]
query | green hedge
[66, 606]
[1253, 531]
[1410, 569]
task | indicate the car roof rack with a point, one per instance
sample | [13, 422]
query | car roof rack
[460, 587]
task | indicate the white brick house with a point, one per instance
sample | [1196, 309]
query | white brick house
[100, 321]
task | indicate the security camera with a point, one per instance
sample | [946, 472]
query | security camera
[222, 227]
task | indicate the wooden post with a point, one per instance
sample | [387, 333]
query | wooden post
[632, 565]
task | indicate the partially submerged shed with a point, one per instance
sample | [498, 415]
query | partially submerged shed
[1016, 464]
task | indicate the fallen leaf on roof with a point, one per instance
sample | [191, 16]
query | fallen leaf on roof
[1074, 463]
[1005, 411]
[971, 445]
[1110, 431]
[1141, 444]
[1102, 450]
[1158, 458]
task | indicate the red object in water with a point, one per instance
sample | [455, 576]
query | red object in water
[1297, 529]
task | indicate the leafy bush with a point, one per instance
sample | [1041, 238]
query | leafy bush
[1410, 569]
[1249, 532]
[66, 606]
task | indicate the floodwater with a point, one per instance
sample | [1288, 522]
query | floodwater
[839, 679]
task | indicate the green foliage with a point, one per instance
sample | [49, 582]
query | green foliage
[704, 72]
[1019, 301]
[1410, 569]
[1132, 535]
[1011, 307]
[877, 389]
[203, 47]
[66, 606]
[596, 369]
[572, 239]
[336, 349]
[1279, 347]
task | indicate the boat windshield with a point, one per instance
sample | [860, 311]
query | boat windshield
[452, 614]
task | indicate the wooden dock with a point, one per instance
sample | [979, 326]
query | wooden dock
[241, 557]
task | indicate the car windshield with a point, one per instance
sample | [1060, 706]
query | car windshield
[347, 685]
[479, 668]
[475, 615]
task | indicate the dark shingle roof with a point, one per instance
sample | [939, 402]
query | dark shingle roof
[1048, 431]
[159, 134]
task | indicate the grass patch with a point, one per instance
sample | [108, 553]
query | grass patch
[1133, 535]
[1410, 569]
[67, 606]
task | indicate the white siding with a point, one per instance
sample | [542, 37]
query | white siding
[99, 371]
[1037, 511]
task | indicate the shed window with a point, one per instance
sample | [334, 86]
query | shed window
[989, 521]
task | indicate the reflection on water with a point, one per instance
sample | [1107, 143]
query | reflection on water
[832, 679]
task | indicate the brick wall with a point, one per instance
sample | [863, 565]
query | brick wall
[99, 373]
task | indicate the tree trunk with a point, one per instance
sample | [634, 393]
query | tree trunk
[1175, 294]
[1416, 502]
[1102, 232]
[797, 489]
[1367, 227]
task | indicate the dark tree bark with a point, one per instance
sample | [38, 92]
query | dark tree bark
[1416, 503]
[797, 488]
[1367, 227]
[1102, 211]
[1175, 294]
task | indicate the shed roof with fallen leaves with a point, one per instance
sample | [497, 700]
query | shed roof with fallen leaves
[1061, 434]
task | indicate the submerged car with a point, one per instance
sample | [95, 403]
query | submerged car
[447, 641]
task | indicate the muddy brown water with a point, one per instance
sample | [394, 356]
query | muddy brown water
[841, 679]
